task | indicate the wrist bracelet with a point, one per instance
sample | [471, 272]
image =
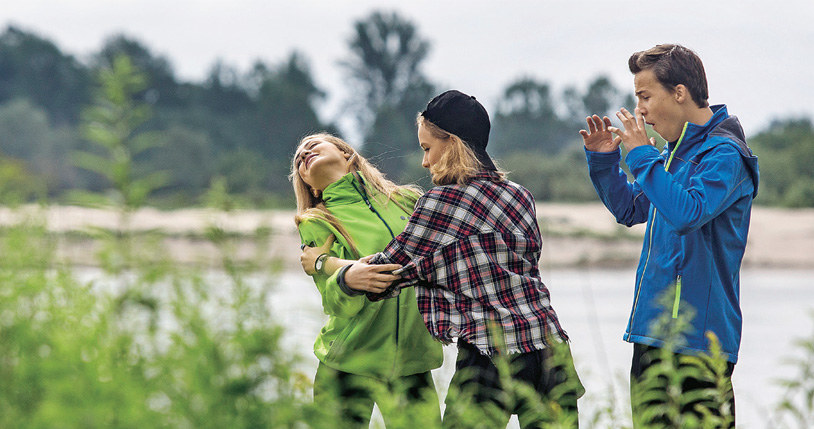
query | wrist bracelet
[319, 263]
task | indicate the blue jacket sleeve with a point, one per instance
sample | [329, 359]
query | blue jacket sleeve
[715, 185]
[625, 200]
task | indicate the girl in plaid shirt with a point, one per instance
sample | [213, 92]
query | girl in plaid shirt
[471, 250]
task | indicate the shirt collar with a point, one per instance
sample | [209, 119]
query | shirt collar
[695, 132]
[342, 191]
[490, 175]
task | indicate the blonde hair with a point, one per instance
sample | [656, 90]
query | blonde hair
[312, 207]
[458, 164]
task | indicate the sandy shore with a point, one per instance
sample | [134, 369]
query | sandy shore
[573, 234]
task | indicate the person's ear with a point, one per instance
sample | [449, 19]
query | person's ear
[680, 93]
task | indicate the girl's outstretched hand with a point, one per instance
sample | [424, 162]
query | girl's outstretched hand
[371, 278]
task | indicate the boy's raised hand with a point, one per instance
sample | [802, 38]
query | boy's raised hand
[599, 138]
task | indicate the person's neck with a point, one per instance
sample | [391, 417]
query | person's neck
[328, 179]
[699, 116]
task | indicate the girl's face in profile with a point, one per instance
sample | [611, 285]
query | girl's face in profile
[432, 146]
[320, 163]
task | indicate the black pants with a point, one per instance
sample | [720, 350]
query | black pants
[478, 397]
[699, 380]
[410, 398]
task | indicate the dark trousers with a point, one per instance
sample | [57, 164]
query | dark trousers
[408, 398]
[696, 389]
[538, 387]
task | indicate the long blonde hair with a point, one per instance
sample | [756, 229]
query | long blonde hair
[458, 164]
[311, 207]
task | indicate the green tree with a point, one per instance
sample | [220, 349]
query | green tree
[160, 86]
[604, 99]
[221, 106]
[246, 173]
[786, 153]
[223, 92]
[600, 97]
[386, 53]
[527, 120]
[286, 107]
[530, 118]
[560, 177]
[26, 135]
[188, 158]
[34, 68]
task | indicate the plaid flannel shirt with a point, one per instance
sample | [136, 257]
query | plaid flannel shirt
[471, 252]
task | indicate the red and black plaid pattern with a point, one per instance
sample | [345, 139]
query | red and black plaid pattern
[471, 252]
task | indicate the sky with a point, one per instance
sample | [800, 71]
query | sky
[758, 55]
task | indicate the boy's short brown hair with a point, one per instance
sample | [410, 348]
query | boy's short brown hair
[674, 65]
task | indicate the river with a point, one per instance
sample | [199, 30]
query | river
[593, 306]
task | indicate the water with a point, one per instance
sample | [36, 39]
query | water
[594, 305]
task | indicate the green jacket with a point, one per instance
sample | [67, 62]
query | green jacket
[383, 339]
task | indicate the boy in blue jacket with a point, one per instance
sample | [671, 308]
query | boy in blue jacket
[696, 197]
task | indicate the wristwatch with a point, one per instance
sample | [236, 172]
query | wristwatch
[319, 263]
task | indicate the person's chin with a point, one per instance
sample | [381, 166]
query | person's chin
[656, 129]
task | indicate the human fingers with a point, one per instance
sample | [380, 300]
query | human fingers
[639, 118]
[622, 117]
[307, 264]
[632, 122]
[376, 287]
[619, 132]
[628, 121]
[591, 126]
[607, 122]
[386, 267]
[364, 279]
[311, 252]
[617, 141]
[382, 282]
[597, 122]
[384, 276]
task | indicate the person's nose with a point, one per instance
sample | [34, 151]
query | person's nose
[641, 108]
[425, 162]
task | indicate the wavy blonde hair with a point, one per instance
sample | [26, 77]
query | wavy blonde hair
[458, 164]
[312, 207]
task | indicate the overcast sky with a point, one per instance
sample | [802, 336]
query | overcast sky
[758, 54]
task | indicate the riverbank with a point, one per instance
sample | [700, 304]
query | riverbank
[573, 234]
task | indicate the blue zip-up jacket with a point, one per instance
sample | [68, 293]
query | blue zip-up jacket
[696, 197]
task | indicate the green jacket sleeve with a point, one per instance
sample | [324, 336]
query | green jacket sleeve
[335, 302]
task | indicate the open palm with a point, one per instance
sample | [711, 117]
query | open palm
[598, 138]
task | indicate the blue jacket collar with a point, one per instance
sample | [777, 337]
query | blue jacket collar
[695, 133]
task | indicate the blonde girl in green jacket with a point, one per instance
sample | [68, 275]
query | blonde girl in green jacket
[368, 351]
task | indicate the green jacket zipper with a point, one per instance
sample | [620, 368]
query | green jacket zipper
[678, 297]
[363, 193]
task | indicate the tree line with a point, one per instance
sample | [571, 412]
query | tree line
[237, 130]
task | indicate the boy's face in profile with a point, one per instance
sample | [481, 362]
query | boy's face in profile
[659, 105]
